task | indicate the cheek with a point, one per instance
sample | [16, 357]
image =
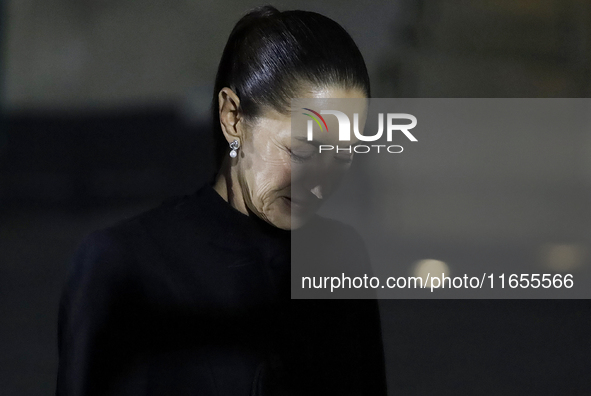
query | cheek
[275, 177]
[283, 178]
[268, 170]
[271, 179]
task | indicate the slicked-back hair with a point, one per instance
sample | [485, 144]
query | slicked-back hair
[268, 56]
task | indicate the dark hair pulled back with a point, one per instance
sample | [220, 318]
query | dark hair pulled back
[269, 54]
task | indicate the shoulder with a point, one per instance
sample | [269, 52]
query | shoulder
[109, 252]
[135, 233]
[99, 264]
[106, 270]
[137, 249]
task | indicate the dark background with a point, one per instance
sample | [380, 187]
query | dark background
[104, 114]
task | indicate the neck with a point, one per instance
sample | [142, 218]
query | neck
[228, 187]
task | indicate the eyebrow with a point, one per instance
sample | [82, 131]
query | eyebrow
[317, 143]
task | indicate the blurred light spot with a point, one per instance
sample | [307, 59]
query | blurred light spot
[430, 267]
[562, 257]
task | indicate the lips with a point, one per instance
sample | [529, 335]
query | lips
[298, 203]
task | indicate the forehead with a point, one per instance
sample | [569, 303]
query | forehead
[323, 119]
[317, 96]
[312, 102]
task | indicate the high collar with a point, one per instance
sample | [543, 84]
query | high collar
[224, 224]
[223, 221]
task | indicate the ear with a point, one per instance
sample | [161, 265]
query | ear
[230, 114]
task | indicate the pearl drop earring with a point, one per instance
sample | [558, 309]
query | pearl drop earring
[235, 145]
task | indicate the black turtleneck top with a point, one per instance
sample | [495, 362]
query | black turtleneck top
[193, 298]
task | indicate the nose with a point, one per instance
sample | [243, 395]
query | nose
[317, 191]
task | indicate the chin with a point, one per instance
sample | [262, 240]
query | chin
[283, 224]
[289, 222]
[280, 218]
[287, 219]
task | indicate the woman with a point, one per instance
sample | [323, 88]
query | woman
[193, 297]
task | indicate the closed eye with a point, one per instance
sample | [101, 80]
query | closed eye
[301, 157]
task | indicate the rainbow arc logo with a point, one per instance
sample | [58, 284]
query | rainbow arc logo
[316, 119]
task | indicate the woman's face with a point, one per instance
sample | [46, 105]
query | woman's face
[282, 177]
